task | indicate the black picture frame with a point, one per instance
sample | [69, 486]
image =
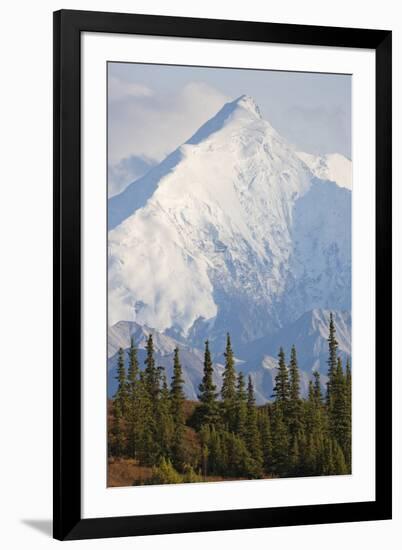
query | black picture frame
[68, 27]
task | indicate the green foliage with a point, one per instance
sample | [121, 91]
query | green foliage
[122, 389]
[347, 439]
[177, 411]
[231, 437]
[132, 396]
[133, 369]
[176, 390]
[317, 387]
[294, 409]
[117, 440]
[226, 454]
[165, 473]
[332, 359]
[281, 390]
[252, 436]
[190, 476]
[165, 426]
[209, 410]
[280, 442]
[264, 427]
[151, 376]
[241, 406]
[147, 450]
[228, 391]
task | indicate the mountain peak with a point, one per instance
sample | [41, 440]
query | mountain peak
[240, 108]
[231, 232]
[248, 103]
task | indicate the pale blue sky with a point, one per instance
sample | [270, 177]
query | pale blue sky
[154, 108]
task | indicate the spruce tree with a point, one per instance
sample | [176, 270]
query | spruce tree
[294, 467]
[205, 437]
[339, 418]
[133, 370]
[177, 396]
[310, 409]
[117, 432]
[147, 448]
[280, 442]
[241, 406]
[236, 460]
[317, 387]
[121, 394]
[164, 420]
[327, 463]
[340, 466]
[281, 388]
[208, 412]
[228, 390]
[315, 428]
[150, 371]
[253, 438]
[177, 409]
[264, 425]
[295, 422]
[132, 380]
[348, 434]
[216, 462]
[310, 456]
[332, 359]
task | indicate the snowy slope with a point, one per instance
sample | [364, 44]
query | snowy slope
[231, 232]
[333, 167]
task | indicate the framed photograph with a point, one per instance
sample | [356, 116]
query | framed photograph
[222, 274]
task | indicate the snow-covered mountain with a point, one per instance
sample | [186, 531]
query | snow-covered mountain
[258, 359]
[332, 167]
[231, 232]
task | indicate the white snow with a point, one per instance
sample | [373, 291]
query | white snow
[333, 167]
[222, 230]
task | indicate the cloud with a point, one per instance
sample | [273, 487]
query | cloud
[153, 124]
[119, 89]
[125, 172]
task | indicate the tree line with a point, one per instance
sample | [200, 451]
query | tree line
[227, 434]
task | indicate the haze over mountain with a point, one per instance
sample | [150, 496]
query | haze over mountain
[232, 232]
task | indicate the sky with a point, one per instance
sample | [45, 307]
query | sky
[152, 109]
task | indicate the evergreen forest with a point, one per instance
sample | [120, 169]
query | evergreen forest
[157, 436]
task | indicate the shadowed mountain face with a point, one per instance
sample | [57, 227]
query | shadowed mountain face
[232, 232]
